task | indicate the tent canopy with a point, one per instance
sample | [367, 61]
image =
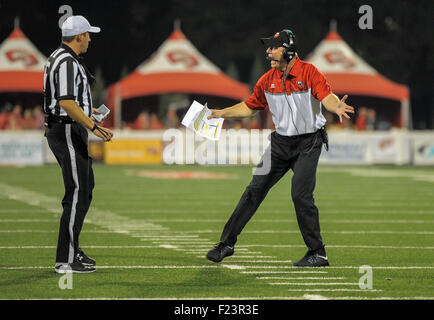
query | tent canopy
[21, 64]
[349, 74]
[176, 67]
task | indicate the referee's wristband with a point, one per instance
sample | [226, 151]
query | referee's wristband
[94, 127]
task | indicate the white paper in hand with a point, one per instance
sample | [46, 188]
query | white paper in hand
[104, 112]
[197, 120]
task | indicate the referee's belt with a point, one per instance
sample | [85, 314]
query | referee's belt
[51, 118]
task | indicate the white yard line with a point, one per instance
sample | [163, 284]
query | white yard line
[115, 267]
[361, 232]
[336, 246]
[301, 278]
[324, 231]
[259, 261]
[348, 267]
[284, 272]
[313, 284]
[249, 256]
[335, 290]
[304, 297]
[252, 253]
[388, 221]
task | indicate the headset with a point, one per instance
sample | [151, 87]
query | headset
[289, 51]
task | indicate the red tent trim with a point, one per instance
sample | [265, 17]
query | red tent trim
[21, 81]
[367, 85]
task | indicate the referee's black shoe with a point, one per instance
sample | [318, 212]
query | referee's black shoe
[84, 259]
[75, 267]
[312, 260]
[219, 252]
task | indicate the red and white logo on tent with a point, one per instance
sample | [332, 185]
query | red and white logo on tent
[17, 53]
[26, 57]
[177, 54]
[184, 57]
[338, 57]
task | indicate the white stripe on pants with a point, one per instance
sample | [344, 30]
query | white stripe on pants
[75, 196]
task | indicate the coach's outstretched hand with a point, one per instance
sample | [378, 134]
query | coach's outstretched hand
[343, 108]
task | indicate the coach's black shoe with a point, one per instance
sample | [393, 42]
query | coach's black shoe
[219, 252]
[84, 259]
[312, 260]
[75, 267]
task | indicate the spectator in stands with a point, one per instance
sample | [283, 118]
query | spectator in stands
[4, 118]
[154, 123]
[28, 122]
[39, 118]
[371, 119]
[172, 120]
[15, 118]
[361, 122]
[142, 121]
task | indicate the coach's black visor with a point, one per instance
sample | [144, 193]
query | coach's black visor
[280, 39]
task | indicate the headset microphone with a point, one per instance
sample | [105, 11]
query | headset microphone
[271, 59]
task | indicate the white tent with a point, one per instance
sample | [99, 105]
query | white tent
[21, 64]
[349, 74]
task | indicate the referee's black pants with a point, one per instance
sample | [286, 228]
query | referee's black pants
[301, 154]
[69, 144]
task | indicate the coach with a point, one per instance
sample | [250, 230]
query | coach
[293, 91]
[68, 110]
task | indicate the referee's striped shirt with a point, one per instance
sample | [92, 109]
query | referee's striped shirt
[65, 79]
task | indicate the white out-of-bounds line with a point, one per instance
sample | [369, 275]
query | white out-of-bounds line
[150, 237]
[228, 259]
[335, 290]
[260, 261]
[29, 220]
[313, 284]
[301, 278]
[85, 247]
[388, 221]
[350, 267]
[116, 267]
[314, 297]
[335, 246]
[285, 272]
[325, 231]
[55, 231]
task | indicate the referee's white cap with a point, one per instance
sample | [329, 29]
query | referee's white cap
[74, 25]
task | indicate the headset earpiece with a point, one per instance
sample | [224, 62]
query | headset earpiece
[289, 52]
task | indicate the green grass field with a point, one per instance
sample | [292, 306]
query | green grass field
[150, 235]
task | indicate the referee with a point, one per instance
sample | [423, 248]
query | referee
[68, 112]
[293, 91]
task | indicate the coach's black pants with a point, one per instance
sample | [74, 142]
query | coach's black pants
[69, 144]
[300, 154]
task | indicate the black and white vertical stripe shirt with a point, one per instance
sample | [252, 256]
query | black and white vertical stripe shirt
[65, 79]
